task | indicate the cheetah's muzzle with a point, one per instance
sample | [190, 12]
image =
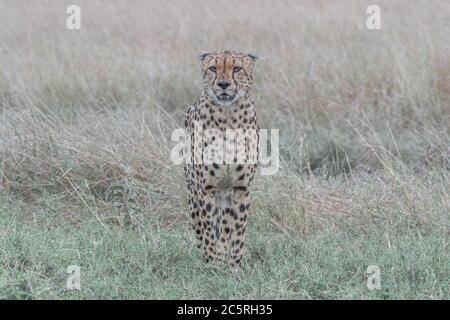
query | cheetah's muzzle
[226, 97]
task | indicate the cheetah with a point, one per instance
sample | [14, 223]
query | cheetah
[219, 188]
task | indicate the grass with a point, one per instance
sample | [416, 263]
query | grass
[364, 119]
[162, 262]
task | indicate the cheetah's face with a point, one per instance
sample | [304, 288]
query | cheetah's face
[227, 75]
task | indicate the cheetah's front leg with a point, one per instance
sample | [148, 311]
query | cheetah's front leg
[236, 221]
[209, 217]
[196, 221]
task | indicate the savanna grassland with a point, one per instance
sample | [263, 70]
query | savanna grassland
[364, 125]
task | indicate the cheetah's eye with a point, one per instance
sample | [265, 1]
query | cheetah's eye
[237, 69]
[212, 69]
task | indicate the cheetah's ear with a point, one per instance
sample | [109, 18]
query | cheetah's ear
[253, 56]
[203, 55]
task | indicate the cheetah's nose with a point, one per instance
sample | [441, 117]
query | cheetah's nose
[223, 84]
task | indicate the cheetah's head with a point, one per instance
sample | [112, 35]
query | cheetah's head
[227, 75]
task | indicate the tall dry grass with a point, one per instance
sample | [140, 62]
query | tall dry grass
[357, 109]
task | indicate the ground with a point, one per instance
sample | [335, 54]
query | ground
[363, 118]
[289, 255]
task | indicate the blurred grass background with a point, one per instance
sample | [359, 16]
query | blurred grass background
[364, 119]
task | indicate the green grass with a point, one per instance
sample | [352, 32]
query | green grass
[161, 262]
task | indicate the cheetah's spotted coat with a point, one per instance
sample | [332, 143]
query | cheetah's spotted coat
[219, 191]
